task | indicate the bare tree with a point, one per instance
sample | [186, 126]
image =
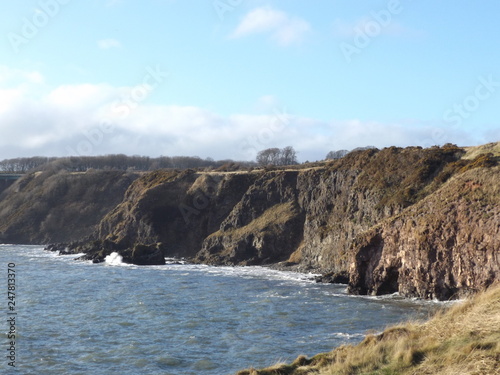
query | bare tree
[269, 156]
[276, 156]
[337, 154]
[288, 156]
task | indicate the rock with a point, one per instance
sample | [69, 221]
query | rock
[147, 255]
[57, 206]
[56, 247]
[334, 278]
[264, 227]
[180, 209]
[443, 247]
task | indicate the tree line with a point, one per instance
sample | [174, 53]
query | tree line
[113, 162]
[277, 156]
[332, 155]
[269, 157]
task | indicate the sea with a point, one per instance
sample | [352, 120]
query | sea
[64, 316]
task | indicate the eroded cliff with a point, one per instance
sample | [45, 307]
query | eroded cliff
[422, 222]
[59, 206]
[169, 211]
[446, 245]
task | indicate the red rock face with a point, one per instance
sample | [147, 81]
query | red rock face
[446, 246]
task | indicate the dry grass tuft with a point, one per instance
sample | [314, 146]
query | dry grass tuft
[473, 152]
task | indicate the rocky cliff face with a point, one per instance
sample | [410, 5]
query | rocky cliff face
[423, 222]
[447, 245]
[171, 210]
[58, 206]
[351, 195]
[264, 227]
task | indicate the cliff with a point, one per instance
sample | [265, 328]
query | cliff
[421, 222]
[167, 211]
[58, 206]
[444, 246]
[264, 227]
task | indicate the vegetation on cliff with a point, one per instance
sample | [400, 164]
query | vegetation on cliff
[119, 162]
[59, 206]
[444, 246]
[421, 222]
[465, 339]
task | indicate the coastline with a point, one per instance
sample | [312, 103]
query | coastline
[461, 339]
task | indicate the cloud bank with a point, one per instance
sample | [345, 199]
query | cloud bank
[99, 119]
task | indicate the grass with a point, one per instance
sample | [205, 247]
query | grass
[473, 152]
[464, 339]
[274, 216]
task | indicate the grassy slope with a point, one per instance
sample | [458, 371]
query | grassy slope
[462, 340]
[473, 152]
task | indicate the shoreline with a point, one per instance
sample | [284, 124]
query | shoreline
[458, 339]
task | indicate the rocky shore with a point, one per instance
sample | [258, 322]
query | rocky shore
[421, 222]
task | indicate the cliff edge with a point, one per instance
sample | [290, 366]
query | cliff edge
[421, 222]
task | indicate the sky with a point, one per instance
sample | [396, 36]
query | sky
[227, 78]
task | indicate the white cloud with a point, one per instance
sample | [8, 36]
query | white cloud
[12, 77]
[284, 29]
[108, 43]
[90, 119]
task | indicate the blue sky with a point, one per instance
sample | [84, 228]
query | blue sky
[227, 78]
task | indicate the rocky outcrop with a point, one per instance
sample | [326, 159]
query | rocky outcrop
[351, 216]
[351, 195]
[59, 206]
[445, 246]
[264, 227]
[313, 216]
[176, 208]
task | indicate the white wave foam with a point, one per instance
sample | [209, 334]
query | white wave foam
[114, 259]
[347, 336]
[251, 272]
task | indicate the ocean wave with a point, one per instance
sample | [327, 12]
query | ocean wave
[114, 259]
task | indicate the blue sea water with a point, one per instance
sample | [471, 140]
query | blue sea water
[75, 317]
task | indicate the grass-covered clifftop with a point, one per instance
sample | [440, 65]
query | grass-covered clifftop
[463, 340]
